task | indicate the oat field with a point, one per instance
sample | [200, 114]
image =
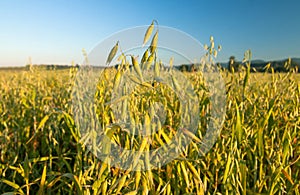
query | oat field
[257, 151]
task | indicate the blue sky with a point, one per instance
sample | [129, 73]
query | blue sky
[55, 31]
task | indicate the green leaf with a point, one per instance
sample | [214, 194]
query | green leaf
[260, 140]
[74, 178]
[238, 125]
[14, 185]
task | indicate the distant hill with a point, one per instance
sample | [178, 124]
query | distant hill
[278, 65]
[258, 64]
[296, 60]
[257, 61]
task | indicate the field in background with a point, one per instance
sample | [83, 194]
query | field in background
[258, 150]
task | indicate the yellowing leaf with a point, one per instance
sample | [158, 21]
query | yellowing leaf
[154, 42]
[136, 67]
[112, 53]
[43, 180]
[148, 33]
[117, 79]
[43, 121]
[171, 62]
[145, 56]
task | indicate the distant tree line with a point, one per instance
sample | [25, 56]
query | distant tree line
[49, 67]
[277, 66]
[231, 66]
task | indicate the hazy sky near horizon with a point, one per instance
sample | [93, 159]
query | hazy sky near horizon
[56, 31]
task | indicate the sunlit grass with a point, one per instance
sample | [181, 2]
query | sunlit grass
[257, 151]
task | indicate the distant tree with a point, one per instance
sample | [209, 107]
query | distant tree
[193, 68]
[183, 68]
[219, 66]
[232, 64]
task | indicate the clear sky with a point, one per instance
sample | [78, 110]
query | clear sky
[55, 31]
